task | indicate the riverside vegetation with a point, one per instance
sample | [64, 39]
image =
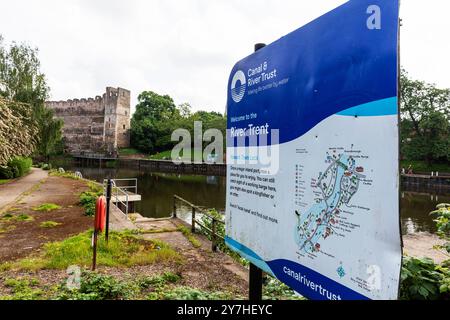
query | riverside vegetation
[421, 278]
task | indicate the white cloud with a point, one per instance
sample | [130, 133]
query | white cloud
[187, 48]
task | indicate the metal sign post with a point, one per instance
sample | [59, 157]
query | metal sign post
[94, 245]
[255, 280]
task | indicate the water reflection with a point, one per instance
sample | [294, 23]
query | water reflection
[157, 190]
[415, 209]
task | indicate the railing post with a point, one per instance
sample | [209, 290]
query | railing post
[193, 220]
[174, 213]
[213, 236]
[108, 200]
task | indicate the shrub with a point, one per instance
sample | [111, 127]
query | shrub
[23, 289]
[96, 286]
[87, 201]
[6, 173]
[20, 166]
[188, 293]
[89, 198]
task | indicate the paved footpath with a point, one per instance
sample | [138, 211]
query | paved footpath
[9, 192]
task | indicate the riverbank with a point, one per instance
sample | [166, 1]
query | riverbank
[47, 217]
[44, 231]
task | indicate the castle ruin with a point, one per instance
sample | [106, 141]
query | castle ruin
[95, 127]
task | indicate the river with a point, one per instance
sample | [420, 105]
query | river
[157, 190]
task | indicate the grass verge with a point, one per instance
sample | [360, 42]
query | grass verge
[9, 217]
[49, 224]
[123, 250]
[47, 207]
[188, 234]
[422, 166]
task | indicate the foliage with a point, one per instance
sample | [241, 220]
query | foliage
[128, 152]
[65, 174]
[425, 126]
[220, 228]
[188, 293]
[50, 133]
[188, 234]
[276, 290]
[22, 289]
[49, 224]
[44, 166]
[47, 207]
[422, 279]
[22, 81]
[156, 117]
[150, 122]
[9, 217]
[158, 281]
[96, 286]
[167, 155]
[123, 249]
[443, 223]
[6, 173]
[20, 166]
[443, 220]
[88, 199]
[18, 131]
[423, 166]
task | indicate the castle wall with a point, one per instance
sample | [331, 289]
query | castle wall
[95, 126]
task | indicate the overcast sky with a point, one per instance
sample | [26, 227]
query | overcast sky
[186, 48]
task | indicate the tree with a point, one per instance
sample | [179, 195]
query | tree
[17, 131]
[156, 117]
[185, 110]
[425, 125]
[153, 121]
[22, 81]
[50, 133]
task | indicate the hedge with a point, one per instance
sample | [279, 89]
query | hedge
[16, 167]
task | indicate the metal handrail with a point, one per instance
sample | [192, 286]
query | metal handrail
[213, 231]
[123, 190]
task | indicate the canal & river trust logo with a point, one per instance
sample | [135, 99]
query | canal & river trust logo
[238, 86]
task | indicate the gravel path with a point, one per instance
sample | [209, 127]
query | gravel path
[9, 192]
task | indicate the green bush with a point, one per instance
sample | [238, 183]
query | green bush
[87, 201]
[6, 173]
[188, 293]
[95, 286]
[16, 167]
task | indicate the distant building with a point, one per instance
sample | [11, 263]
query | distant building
[95, 127]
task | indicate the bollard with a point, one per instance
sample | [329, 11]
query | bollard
[193, 220]
[174, 213]
[213, 236]
[94, 256]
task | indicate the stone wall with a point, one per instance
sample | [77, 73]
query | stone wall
[95, 127]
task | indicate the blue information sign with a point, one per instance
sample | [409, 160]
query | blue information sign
[312, 154]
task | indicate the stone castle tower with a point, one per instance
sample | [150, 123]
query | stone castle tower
[95, 127]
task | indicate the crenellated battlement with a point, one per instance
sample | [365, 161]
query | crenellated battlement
[95, 125]
[75, 102]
